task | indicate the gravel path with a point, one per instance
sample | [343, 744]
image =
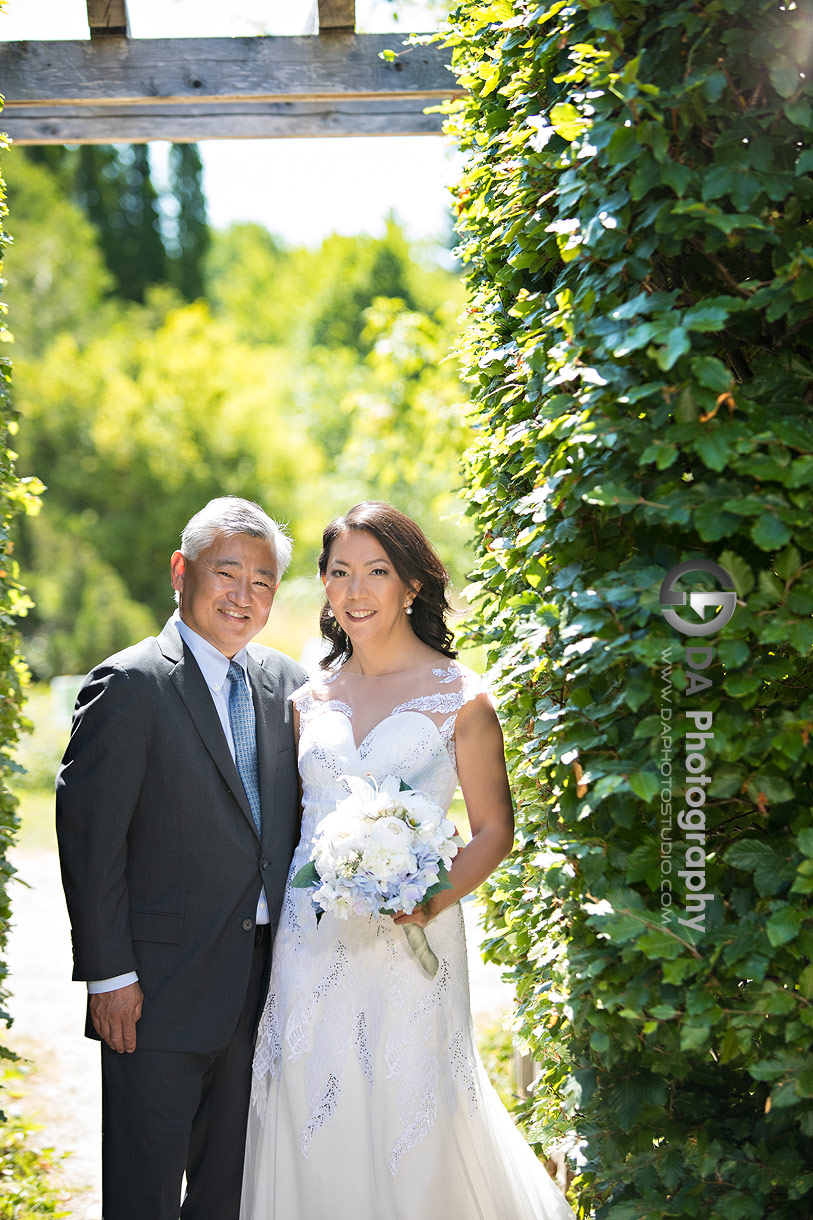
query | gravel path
[62, 1093]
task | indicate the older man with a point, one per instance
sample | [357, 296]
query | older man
[177, 816]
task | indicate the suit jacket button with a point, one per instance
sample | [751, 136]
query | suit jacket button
[263, 863]
[247, 925]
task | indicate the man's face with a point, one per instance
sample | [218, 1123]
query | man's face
[226, 593]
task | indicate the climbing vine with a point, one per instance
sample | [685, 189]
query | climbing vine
[636, 211]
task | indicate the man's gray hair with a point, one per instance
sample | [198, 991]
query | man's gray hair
[230, 515]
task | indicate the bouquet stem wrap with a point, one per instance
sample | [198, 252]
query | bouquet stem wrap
[416, 939]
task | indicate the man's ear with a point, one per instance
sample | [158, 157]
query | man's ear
[177, 567]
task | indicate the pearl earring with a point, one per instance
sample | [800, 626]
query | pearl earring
[408, 608]
[329, 612]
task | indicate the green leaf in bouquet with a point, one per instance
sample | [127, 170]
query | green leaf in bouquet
[306, 877]
[442, 883]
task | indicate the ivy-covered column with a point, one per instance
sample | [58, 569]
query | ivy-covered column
[637, 214]
[16, 496]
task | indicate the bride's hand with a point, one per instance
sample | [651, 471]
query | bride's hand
[420, 916]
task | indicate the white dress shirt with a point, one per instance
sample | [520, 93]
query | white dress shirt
[214, 666]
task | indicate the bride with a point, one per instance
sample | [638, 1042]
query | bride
[369, 1099]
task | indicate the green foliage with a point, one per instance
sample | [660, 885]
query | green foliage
[145, 238]
[190, 237]
[318, 298]
[16, 497]
[495, 1045]
[56, 272]
[138, 428]
[250, 282]
[82, 610]
[114, 187]
[637, 210]
[134, 415]
[26, 1171]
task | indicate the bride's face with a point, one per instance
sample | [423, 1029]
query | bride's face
[365, 592]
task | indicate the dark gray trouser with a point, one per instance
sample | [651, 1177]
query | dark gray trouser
[167, 1113]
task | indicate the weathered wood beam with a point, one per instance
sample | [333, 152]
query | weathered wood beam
[142, 71]
[123, 90]
[122, 124]
[108, 18]
[337, 16]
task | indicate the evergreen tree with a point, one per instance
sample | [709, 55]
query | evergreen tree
[189, 243]
[113, 184]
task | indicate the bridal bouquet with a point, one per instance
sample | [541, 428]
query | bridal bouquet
[384, 848]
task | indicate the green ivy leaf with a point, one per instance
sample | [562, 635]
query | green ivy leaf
[785, 78]
[783, 927]
[645, 784]
[676, 346]
[567, 121]
[739, 571]
[711, 373]
[787, 562]
[713, 448]
[770, 532]
[753, 855]
[805, 841]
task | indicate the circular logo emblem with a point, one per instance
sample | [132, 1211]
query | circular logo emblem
[699, 602]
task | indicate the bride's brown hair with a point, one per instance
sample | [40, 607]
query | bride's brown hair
[414, 559]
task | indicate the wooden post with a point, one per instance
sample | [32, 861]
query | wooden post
[108, 18]
[337, 16]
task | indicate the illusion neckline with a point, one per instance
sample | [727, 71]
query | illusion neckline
[398, 673]
[335, 707]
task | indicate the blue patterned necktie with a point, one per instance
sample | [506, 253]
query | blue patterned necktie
[243, 730]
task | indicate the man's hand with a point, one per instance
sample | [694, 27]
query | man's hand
[114, 1015]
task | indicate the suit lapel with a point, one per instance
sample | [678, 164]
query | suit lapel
[191, 686]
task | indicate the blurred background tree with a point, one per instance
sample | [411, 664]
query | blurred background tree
[160, 363]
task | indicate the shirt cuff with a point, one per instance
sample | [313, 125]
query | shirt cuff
[120, 980]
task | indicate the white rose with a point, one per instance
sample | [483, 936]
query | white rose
[421, 808]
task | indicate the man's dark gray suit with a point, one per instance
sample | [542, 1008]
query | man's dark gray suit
[163, 868]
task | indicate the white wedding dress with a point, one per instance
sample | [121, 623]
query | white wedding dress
[369, 1099]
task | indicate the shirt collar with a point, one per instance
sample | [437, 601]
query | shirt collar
[213, 664]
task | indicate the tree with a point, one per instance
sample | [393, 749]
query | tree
[637, 209]
[16, 498]
[190, 235]
[57, 275]
[114, 186]
[135, 430]
[249, 281]
[145, 238]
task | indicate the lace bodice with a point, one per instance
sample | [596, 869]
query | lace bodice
[397, 724]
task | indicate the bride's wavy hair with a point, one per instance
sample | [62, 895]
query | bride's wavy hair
[414, 559]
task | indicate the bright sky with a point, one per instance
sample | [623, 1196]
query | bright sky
[300, 189]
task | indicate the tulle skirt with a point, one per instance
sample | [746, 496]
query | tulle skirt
[410, 1128]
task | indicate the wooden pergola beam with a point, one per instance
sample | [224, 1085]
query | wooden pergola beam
[113, 90]
[226, 121]
[337, 16]
[108, 18]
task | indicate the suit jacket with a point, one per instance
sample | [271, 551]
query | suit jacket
[161, 862]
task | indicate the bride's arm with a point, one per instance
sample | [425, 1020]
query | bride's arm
[484, 782]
